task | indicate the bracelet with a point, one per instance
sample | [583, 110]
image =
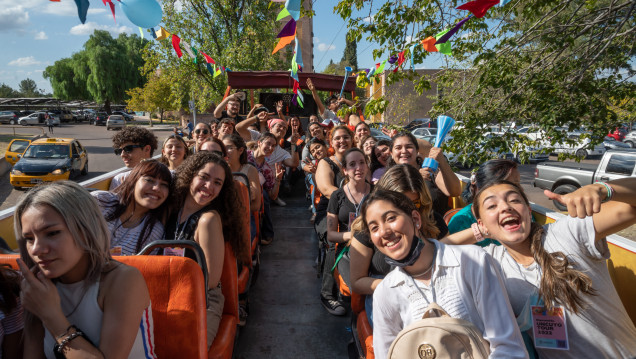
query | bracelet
[65, 332]
[58, 349]
[476, 232]
[610, 192]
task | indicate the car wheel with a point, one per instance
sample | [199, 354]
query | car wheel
[23, 123]
[630, 143]
[85, 169]
[563, 189]
[582, 154]
[12, 122]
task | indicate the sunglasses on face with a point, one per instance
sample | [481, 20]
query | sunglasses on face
[199, 131]
[127, 149]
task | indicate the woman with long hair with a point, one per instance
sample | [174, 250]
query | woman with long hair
[493, 170]
[202, 131]
[329, 176]
[11, 314]
[209, 214]
[174, 151]
[344, 206]
[557, 273]
[136, 210]
[272, 177]
[406, 149]
[380, 159]
[361, 130]
[78, 301]
[462, 280]
[368, 265]
[367, 145]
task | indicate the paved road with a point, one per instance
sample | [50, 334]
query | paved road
[101, 159]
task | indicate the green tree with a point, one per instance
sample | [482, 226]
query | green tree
[7, 91]
[548, 63]
[28, 88]
[350, 55]
[156, 95]
[103, 71]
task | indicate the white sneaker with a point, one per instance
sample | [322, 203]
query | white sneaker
[280, 202]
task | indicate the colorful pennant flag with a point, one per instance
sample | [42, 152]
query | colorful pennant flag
[112, 7]
[141, 31]
[82, 9]
[293, 7]
[284, 41]
[217, 71]
[282, 14]
[175, 43]
[412, 51]
[298, 54]
[452, 31]
[288, 30]
[163, 34]
[208, 59]
[380, 67]
[186, 46]
[429, 44]
[444, 48]
[478, 7]
[152, 32]
[210, 69]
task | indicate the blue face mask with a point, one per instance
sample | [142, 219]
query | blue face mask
[411, 257]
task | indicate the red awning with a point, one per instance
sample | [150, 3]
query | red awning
[243, 80]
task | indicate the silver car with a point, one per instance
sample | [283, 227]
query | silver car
[115, 122]
[630, 139]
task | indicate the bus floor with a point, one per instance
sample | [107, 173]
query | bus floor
[286, 318]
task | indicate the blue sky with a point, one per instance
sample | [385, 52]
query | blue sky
[36, 33]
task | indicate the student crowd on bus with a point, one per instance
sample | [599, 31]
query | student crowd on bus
[378, 216]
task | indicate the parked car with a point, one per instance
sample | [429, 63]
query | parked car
[566, 177]
[610, 143]
[630, 139]
[100, 119]
[424, 131]
[15, 150]
[9, 117]
[417, 123]
[618, 134]
[582, 149]
[532, 133]
[48, 160]
[35, 118]
[66, 116]
[126, 116]
[115, 122]
[379, 135]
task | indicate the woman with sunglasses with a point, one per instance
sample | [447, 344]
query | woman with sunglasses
[136, 210]
[344, 207]
[368, 265]
[174, 151]
[462, 280]
[271, 180]
[202, 131]
[329, 176]
[405, 149]
[78, 301]
[209, 214]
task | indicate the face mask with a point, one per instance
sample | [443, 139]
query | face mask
[411, 257]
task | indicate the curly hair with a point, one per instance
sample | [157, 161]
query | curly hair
[227, 203]
[9, 288]
[126, 192]
[164, 159]
[560, 282]
[136, 135]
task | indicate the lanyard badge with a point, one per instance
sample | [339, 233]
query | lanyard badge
[549, 327]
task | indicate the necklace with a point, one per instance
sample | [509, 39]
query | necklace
[339, 163]
[425, 272]
[356, 204]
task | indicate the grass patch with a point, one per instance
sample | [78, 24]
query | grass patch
[6, 139]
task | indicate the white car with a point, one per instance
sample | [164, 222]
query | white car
[532, 133]
[38, 118]
[581, 149]
[630, 139]
[423, 132]
[115, 122]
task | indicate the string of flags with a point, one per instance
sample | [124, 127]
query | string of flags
[286, 36]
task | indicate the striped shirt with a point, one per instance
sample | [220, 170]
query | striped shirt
[10, 322]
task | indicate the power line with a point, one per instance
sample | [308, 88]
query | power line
[334, 39]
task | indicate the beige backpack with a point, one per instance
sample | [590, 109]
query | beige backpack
[439, 337]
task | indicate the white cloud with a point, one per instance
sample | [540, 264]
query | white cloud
[41, 36]
[90, 27]
[324, 47]
[25, 61]
[368, 19]
[13, 18]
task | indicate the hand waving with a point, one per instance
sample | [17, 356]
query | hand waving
[310, 85]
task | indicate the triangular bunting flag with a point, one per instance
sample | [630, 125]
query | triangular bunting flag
[412, 51]
[429, 44]
[141, 31]
[478, 7]
[175, 43]
[293, 7]
[298, 53]
[444, 48]
[284, 41]
[452, 31]
[82, 9]
[153, 33]
[288, 30]
[208, 59]
[380, 68]
[282, 14]
[163, 34]
[196, 54]
[187, 48]
[112, 8]
[210, 69]
[400, 61]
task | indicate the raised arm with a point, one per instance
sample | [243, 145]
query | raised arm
[609, 218]
[446, 180]
[243, 127]
[317, 100]
[218, 111]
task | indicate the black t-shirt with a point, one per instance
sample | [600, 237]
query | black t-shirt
[321, 207]
[236, 119]
[340, 205]
[379, 267]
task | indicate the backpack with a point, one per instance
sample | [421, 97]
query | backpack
[439, 337]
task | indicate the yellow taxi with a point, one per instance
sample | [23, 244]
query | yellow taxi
[15, 150]
[48, 160]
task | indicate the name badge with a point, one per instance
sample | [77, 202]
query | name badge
[177, 252]
[115, 251]
[550, 328]
[352, 217]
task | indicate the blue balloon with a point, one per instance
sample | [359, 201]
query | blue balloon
[143, 13]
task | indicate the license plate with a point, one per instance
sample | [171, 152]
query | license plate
[36, 180]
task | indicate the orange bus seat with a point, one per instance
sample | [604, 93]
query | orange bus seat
[365, 335]
[246, 263]
[357, 302]
[178, 303]
[223, 345]
[342, 286]
[450, 213]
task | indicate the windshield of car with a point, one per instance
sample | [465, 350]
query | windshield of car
[18, 146]
[115, 117]
[47, 151]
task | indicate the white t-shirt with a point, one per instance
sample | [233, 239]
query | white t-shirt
[120, 237]
[279, 154]
[467, 285]
[118, 179]
[602, 329]
[330, 116]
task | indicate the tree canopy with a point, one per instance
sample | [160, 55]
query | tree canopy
[548, 63]
[103, 71]
[26, 88]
